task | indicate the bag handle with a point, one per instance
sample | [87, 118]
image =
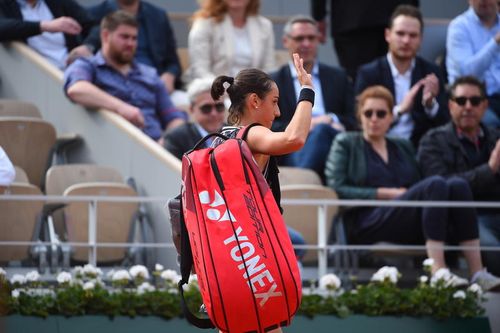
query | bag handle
[201, 143]
[186, 266]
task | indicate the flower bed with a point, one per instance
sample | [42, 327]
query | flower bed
[136, 292]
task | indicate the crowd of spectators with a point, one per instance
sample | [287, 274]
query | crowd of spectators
[418, 140]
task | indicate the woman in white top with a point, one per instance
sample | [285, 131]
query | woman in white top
[228, 36]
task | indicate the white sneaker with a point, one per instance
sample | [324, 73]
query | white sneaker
[449, 279]
[486, 280]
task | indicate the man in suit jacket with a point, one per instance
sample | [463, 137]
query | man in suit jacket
[51, 27]
[357, 28]
[333, 109]
[415, 83]
[207, 115]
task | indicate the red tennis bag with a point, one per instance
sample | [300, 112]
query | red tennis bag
[246, 267]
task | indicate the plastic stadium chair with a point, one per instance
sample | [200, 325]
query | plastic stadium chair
[21, 221]
[15, 108]
[304, 218]
[28, 142]
[294, 176]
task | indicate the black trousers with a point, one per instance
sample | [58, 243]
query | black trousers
[414, 225]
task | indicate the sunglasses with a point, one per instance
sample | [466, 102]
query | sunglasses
[207, 108]
[462, 100]
[381, 114]
[300, 39]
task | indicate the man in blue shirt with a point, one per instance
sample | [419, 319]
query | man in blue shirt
[473, 48]
[114, 81]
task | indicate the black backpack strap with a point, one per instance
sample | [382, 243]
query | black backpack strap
[186, 267]
[243, 132]
[201, 142]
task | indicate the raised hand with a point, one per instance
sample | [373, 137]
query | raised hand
[304, 78]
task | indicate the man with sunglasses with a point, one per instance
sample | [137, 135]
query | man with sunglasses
[473, 48]
[206, 114]
[415, 83]
[467, 148]
[333, 110]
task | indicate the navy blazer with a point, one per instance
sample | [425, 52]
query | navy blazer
[181, 139]
[159, 33]
[337, 92]
[12, 26]
[378, 72]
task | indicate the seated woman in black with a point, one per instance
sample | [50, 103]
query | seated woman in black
[369, 165]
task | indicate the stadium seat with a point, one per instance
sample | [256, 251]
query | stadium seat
[304, 218]
[294, 176]
[15, 108]
[28, 142]
[71, 224]
[22, 220]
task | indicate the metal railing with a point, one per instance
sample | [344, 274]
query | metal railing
[322, 247]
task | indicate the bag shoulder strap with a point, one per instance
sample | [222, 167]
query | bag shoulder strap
[243, 132]
[186, 267]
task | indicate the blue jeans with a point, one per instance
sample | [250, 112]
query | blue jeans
[315, 151]
[489, 235]
[297, 239]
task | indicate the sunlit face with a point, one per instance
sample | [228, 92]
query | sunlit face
[404, 37]
[302, 39]
[120, 45]
[467, 117]
[376, 118]
[208, 113]
[484, 8]
[267, 109]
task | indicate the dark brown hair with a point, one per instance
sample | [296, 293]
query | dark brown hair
[407, 10]
[112, 21]
[246, 82]
[470, 80]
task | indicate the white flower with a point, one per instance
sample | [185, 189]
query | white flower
[121, 274]
[442, 274]
[145, 287]
[78, 271]
[459, 294]
[15, 293]
[170, 275]
[18, 278]
[158, 267]
[354, 291]
[139, 271]
[386, 273]
[64, 277]
[475, 288]
[428, 262]
[424, 279]
[89, 285]
[91, 271]
[329, 282]
[32, 276]
[193, 278]
[2, 272]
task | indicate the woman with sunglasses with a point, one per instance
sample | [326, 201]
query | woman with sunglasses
[370, 165]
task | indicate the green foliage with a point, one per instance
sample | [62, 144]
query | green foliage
[86, 294]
